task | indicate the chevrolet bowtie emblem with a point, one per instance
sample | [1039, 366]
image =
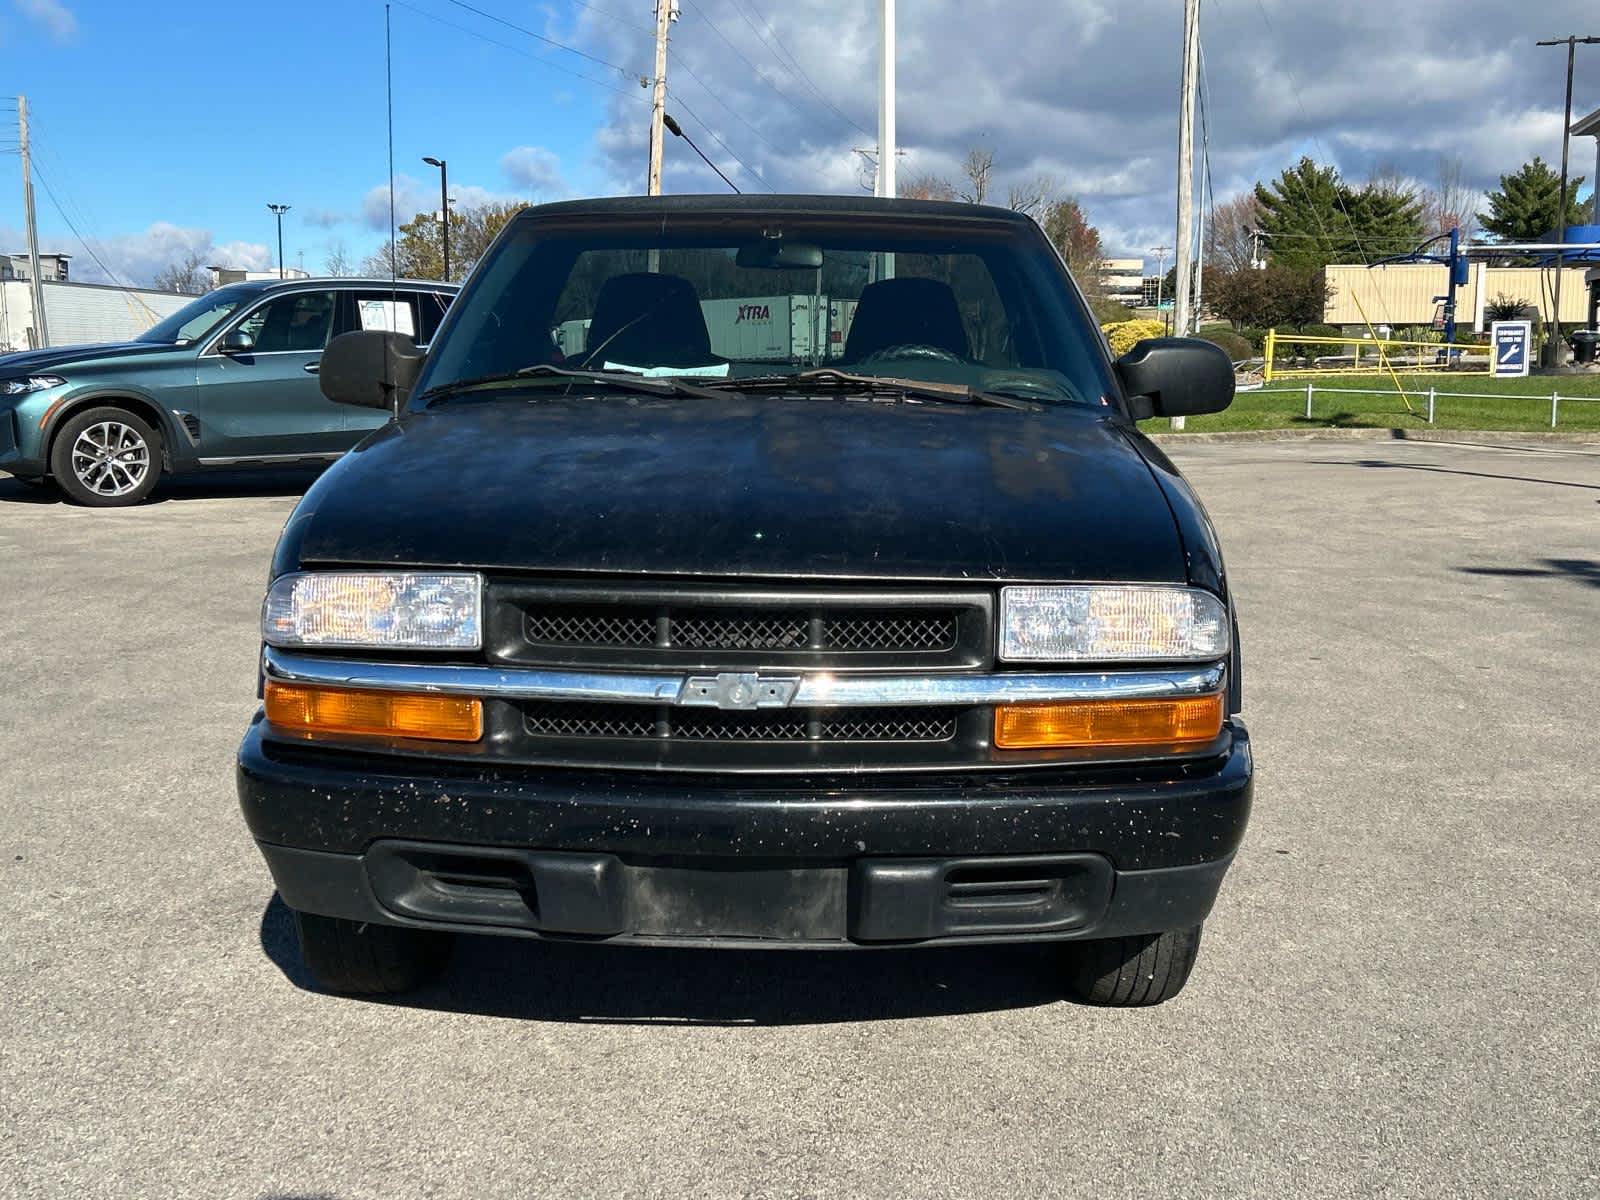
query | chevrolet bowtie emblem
[739, 690]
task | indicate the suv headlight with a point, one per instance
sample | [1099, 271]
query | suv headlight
[379, 609]
[1096, 623]
[29, 383]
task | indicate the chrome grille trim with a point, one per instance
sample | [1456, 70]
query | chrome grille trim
[816, 690]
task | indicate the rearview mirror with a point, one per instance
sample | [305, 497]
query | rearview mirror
[370, 369]
[236, 342]
[775, 254]
[1176, 377]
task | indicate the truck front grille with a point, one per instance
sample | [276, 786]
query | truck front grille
[561, 720]
[641, 628]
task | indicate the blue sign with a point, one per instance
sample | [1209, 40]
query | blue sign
[1511, 342]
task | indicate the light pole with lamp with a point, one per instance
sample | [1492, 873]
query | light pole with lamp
[444, 210]
[278, 210]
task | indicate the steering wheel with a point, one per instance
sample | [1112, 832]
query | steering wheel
[923, 350]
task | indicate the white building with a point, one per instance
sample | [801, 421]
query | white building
[221, 276]
[80, 313]
[52, 267]
[1122, 280]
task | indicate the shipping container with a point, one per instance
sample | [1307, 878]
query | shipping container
[778, 329]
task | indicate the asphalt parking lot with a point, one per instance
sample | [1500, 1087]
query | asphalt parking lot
[1398, 993]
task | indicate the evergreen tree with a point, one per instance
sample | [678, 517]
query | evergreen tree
[1526, 208]
[1300, 218]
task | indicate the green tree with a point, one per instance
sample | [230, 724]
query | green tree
[1300, 217]
[1278, 296]
[1310, 217]
[418, 253]
[1526, 208]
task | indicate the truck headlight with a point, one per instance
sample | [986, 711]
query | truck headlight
[29, 383]
[378, 609]
[1097, 623]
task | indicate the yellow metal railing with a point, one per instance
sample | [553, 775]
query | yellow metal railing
[1369, 356]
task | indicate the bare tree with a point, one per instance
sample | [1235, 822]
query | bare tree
[186, 275]
[1230, 245]
[979, 172]
[338, 261]
[1450, 202]
[928, 187]
[1032, 196]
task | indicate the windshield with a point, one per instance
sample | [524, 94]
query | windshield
[721, 298]
[197, 318]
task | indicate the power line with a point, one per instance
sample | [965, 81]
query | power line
[99, 262]
[712, 133]
[797, 71]
[611, 16]
[723, 104]
[754, 70]
[483, 37]
[549, 41]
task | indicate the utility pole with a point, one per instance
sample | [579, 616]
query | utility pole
[1185, 241]
[1161, 272]
[886, 185]
[41, 328]
[666, 13]
[1552, 353]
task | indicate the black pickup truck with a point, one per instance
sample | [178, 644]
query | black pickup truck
[749, 571]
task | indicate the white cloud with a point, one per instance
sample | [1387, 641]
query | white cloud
[56, 17]
[1086, 91]
[137, 257]
[327, 218]
[413, 196]
[536, 170]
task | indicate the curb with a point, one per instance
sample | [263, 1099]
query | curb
[1483, 437]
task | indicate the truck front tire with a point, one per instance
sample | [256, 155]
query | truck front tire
[1131, 972]
[361, 959]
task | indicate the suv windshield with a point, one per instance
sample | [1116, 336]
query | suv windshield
[198, 318]
[723, 297]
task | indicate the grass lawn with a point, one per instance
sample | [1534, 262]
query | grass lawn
[1518, 404]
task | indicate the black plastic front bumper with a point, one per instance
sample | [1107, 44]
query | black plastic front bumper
[667, 859]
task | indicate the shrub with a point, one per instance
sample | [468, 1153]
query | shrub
[1124, 335]
[1109, 312]
[1506, 308]
[1236, 347]
[1257, 337]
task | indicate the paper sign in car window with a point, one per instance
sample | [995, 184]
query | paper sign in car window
[389, 315]
[714, 369]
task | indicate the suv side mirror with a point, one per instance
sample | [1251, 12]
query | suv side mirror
[372, 368]
[236, 342]
[1176, 377]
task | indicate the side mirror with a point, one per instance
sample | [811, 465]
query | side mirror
[370, 369]
[1176, 377]
[236, 342]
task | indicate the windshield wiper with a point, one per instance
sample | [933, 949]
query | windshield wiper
[832, 379]
[541, 373]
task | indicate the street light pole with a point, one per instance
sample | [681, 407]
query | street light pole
[1553, 346]
[278, 210]
[444, 210]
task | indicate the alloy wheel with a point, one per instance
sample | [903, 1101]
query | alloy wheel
[110, 458]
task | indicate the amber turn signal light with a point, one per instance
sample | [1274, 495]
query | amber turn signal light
[1168, 725]
[344, 711]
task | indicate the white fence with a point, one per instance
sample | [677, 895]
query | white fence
[1310, 391]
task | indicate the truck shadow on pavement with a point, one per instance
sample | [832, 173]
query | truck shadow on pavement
[1581, 570]
[528, 980]
[209, 485]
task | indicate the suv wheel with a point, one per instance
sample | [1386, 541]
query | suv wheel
[1131, 972]
[106, 458]
[369, 960]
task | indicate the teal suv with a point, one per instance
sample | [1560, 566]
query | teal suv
[229, 380]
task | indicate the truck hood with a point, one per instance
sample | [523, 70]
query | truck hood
[745, 486]
[70, 356]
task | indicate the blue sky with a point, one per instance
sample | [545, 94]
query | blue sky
[200, 118]
[166, 126]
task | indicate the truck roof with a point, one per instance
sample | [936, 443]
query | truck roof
[797, 205]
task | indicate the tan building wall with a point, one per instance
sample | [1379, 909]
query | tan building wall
[1403, 294]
